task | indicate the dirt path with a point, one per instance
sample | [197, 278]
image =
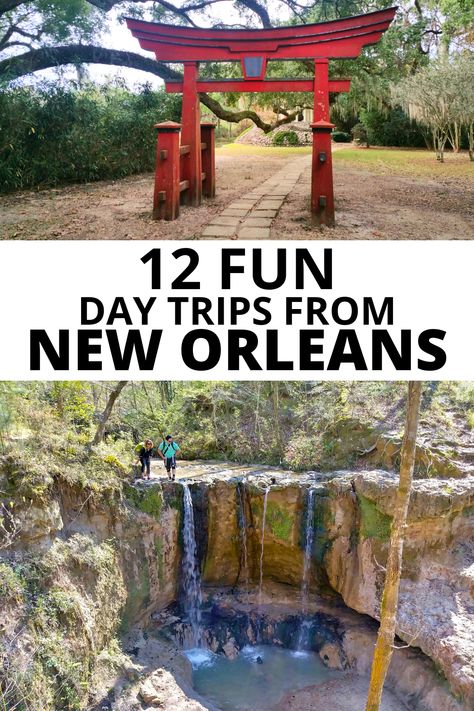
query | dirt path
[368, 205]
[374, 206]
[122, 209]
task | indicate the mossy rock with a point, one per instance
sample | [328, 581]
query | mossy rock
[148, 499]
[160, 560]
[373, 523]
[323, 518]
[74, 594]
[279, 521]
[138, 599]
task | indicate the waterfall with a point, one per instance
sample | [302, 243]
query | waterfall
[308, 548]
[262, 541]
[242, 521]
[191, 577]
[260, 585]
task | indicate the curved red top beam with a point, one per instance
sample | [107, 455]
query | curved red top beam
[343, 38]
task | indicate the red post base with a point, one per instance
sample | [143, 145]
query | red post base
[167, 178]
[322, 191]
[208, 158]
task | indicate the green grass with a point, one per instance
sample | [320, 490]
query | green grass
[243, 149]
[397, 161]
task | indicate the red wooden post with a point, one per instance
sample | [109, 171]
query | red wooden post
[322, 190]
[166, 197]
[209, 158]
[321, 90]
[191, 135]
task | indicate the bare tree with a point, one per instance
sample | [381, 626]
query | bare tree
[440, 98]
[388, 615]
[100, 432]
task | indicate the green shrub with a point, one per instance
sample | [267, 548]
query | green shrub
[11, 585]
[52, 136]
[341, 137]
[285, 138]
[359, 134]
[392, 129]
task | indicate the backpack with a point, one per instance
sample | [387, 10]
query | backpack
[166, 448]
[138, 448]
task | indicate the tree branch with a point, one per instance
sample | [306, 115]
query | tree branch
[7, 5]
[49, 57]
[4, 41]
[179, 11]
[236, 116]
[259, 10]
[99, 435]
[109, 4]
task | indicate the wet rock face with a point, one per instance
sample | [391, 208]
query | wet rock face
[282, 556]
[150, 544]
[228, 627]
[352, 519]
[436, 605]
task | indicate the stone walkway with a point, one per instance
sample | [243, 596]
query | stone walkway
[252, 215]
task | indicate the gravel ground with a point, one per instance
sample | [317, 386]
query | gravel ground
[374, 206]
[121, 209]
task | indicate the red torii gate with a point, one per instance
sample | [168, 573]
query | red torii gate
[343, 38]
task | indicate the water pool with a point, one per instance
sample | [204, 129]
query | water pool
[243, 684]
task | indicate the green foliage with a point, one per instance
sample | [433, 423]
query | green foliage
[341, 137]
[69, 398]
[391, 129]
[303, 426]
[51, 136]
[72, 597]
[12, 586]
[374, 523]
[285, 138]
[57, 21]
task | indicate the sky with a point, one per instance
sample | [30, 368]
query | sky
[119, 37]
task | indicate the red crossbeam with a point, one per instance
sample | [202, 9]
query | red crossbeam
[272, 85]
[336, 38]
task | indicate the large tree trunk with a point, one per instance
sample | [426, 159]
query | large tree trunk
[388, 615]
[100, 432]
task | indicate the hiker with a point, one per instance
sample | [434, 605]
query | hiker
[144, 455]
[167, 452]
